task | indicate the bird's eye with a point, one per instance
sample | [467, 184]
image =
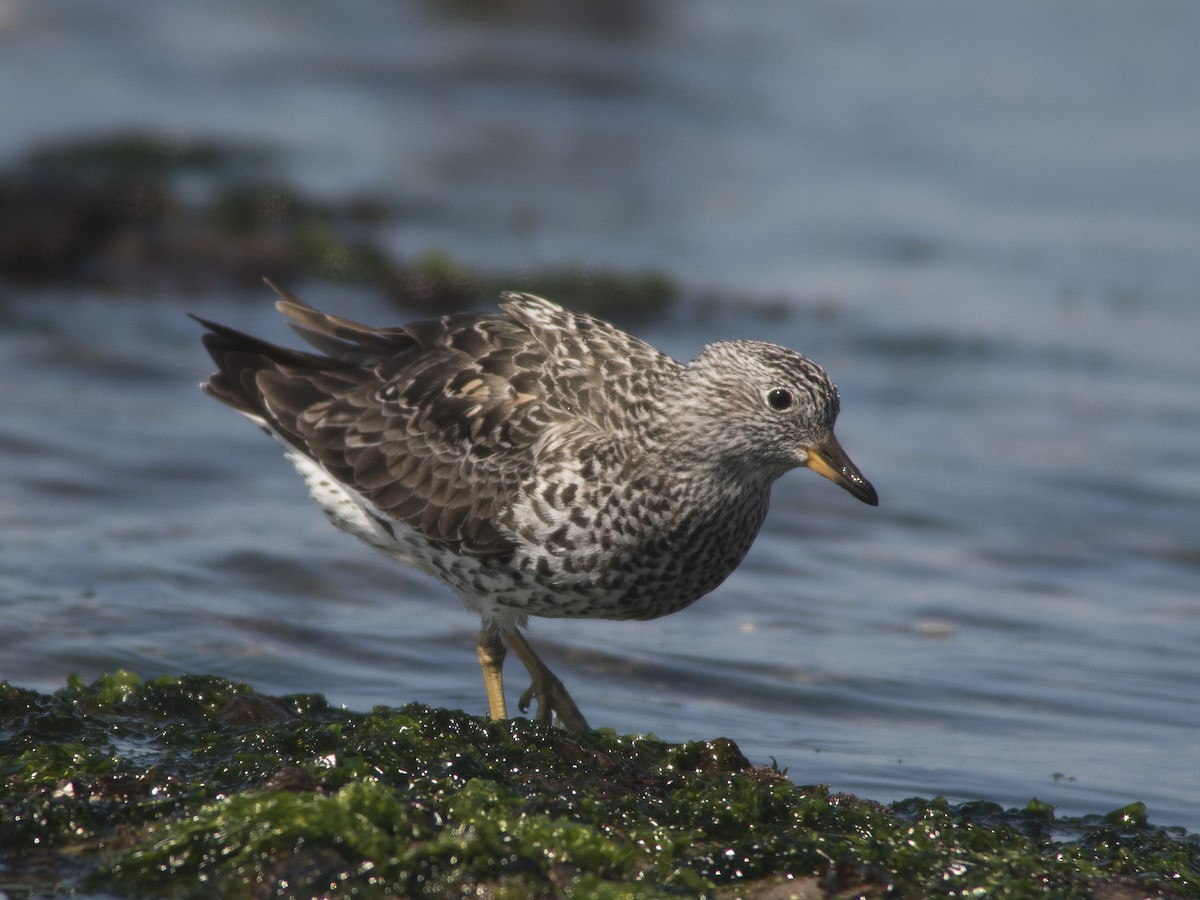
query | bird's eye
[779, 398]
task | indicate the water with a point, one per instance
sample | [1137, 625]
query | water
[984, 220]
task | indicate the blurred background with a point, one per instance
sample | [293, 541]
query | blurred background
[983, 220]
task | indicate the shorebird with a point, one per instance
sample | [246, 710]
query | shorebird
[539, 462]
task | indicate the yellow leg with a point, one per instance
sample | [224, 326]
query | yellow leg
[551, 696]
[491, 660]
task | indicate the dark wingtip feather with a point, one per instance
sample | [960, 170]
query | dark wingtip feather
[239, 357]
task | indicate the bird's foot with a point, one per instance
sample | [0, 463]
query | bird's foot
[549, 692]
[552, 697]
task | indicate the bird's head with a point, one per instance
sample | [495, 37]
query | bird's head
[765, 409]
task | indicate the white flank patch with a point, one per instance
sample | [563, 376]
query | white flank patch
[353, 513]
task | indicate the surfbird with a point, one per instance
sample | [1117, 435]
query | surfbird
[539, 462]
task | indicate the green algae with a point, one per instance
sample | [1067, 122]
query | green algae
[437, 281]
[197, 786]
[148, 153]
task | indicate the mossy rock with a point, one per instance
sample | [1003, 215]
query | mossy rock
[197, 786]
[140, 212]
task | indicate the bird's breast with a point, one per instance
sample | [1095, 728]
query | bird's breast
[634, 550]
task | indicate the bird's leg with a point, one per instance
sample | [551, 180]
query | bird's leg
[491, 661]
[551, 696]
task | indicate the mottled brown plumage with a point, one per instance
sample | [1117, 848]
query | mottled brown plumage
[538, 461]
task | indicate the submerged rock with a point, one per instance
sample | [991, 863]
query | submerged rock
[136, 212]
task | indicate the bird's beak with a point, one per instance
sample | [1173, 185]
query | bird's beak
[829, 459]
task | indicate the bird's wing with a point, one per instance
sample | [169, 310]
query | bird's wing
[439, 423]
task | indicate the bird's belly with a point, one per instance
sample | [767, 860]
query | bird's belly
[577, 578]
[351, 513]
[645, 582]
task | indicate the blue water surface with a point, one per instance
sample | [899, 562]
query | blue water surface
[984, 220]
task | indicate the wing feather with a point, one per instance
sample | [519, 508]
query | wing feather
[439, 423]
